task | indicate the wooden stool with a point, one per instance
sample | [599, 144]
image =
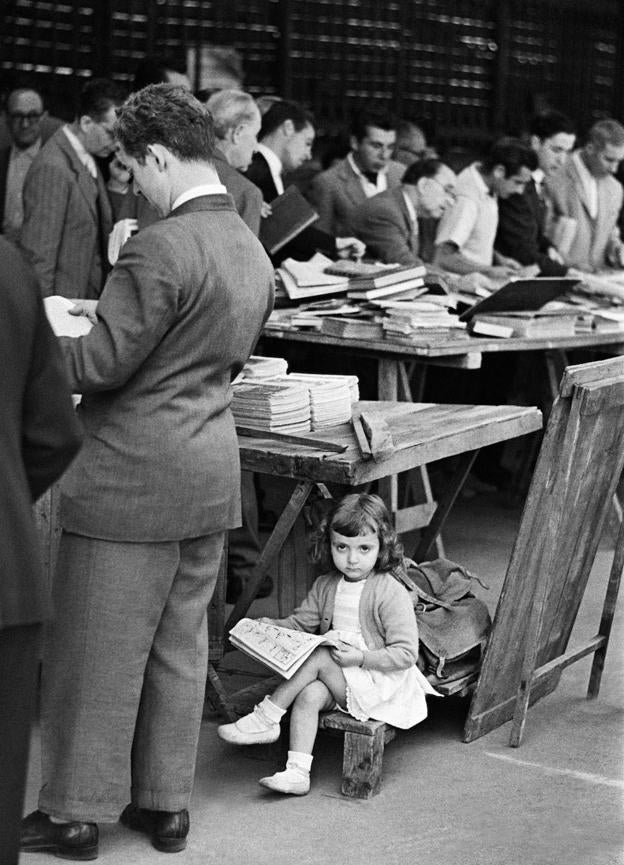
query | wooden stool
[362, 755]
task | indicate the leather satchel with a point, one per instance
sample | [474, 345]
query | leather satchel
[453, 625]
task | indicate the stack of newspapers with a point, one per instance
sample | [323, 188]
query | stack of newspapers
[277, 407]
[331, 397]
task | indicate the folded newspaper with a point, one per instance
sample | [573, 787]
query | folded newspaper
[281, 649]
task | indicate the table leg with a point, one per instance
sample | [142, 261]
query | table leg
[271, 549]
[445, 503]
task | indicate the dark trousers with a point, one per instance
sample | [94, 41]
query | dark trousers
[19, 665]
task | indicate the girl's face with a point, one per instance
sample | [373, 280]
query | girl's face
[354, 557]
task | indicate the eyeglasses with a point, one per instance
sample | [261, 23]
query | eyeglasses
[25, 117]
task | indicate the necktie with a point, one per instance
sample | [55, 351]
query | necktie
[371, 176]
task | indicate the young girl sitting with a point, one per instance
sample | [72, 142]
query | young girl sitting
[371, 672]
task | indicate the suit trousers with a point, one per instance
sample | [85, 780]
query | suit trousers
[124, 675]
[19, 666]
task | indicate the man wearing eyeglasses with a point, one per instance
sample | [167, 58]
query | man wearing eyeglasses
[67, 213]
[24, 116]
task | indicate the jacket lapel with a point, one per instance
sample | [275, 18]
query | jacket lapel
[86, 184]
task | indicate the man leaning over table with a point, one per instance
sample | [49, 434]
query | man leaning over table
[145, 507]
[465, 238]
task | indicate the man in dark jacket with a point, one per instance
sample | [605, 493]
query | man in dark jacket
[39, 436]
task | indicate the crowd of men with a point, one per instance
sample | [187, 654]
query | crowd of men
[147, 211]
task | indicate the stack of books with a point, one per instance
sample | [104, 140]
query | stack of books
[277, 407]
[537, 323]
[303, 279]
[409, 321]
[369, 281]
[364, 325]
[330, 398]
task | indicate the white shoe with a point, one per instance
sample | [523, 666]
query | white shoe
[292, 780]
[252, 729]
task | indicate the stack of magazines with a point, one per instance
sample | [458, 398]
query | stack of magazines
[419, 318]
[258, 367]
[330, 397]
[277, 407]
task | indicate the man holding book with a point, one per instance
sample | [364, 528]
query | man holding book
[286, 139]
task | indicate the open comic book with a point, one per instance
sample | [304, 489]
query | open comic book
[281, 649]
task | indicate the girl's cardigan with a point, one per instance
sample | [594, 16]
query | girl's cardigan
[387, 619]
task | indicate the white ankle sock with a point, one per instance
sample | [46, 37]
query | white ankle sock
[273, 712]
[264, 716]
[300, 760]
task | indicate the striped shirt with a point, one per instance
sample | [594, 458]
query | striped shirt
[347, 606]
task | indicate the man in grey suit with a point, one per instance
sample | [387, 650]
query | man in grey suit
[145, 507]
[67, 213]
[367, 170]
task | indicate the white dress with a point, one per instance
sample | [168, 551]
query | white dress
[398, 698]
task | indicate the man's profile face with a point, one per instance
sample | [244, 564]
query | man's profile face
[299, 148]
[552, 152]
[602, 161]
[514, 184]
[24, 115]
[245, 142]
[98, 134]
[436, 193]
[374, 151]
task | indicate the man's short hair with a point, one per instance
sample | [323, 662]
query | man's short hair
[551, 123]
[230, 108]
[282, 111]
[364, 119]
[97, 97]
[421, 168]
[18, 91]
[606, 132]
[169, 115]
[512, 154]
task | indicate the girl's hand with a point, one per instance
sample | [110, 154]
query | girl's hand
[346, 656]
[265, 620]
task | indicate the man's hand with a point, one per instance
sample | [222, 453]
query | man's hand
[346, 656]
[88, 308]
[504, 261]
[265, 210]
[122, 230]
[350, 247]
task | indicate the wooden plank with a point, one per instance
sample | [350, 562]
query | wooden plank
[413, 517]
[555, 548]
[608, 611]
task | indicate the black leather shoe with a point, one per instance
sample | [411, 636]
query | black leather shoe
[74, 840]
[168, 829]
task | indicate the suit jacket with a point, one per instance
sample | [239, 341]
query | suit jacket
[589, 246]
[520, 233]
[337, 194]
[39, 435]
[384, 224]
[307, 242]
[67, 220]
[247, 198]
[178, 317]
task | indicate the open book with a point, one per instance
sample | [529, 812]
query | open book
[281, 649]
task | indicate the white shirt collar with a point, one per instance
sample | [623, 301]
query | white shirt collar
[198, 192]
[478, 177]
[275, 166]
[83, 155]
[538, 177]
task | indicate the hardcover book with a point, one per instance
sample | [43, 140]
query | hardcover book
[290, 215]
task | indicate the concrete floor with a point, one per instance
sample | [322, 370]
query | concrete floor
[556, 800]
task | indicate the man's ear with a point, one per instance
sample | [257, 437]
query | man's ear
[354, 144]
[499, 172]
[85, 122]
[160, 155]
[288, 128]
[234, 133]
[535, 142]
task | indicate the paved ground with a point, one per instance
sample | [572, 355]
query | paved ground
[556, 800]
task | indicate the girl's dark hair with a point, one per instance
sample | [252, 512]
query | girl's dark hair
[356, 514]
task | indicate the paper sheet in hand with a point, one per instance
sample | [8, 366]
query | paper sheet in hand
[62, 323]
[281, 649]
